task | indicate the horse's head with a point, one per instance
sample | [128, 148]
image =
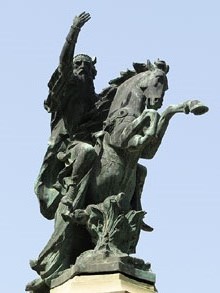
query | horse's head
[153, 85]
[145, 89]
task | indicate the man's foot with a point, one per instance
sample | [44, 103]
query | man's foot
[146, 227]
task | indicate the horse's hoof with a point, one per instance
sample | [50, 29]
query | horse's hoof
[197, 108]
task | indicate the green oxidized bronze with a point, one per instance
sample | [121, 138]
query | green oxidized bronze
[90, 181]
[113, 226]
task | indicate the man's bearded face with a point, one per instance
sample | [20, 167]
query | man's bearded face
[82, 68]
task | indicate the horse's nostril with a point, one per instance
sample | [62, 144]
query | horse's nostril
[143, 88]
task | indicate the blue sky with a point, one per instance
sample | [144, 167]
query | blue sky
[181, 193]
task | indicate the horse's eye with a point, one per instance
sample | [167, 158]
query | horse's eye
[160, 80]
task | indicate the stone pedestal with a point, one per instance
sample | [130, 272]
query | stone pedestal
[99, 274]
[104, 283]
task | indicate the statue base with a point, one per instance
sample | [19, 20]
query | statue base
[104, 283]
[96, 272]
[101, 275]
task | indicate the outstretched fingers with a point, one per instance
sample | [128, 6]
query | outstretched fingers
[84, 15]
[81, 19]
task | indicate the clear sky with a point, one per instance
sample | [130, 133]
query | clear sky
[181, 194]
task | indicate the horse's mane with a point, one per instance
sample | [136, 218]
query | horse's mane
[107, 94]
[125, 75]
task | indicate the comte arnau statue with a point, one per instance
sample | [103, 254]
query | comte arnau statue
[90, 181]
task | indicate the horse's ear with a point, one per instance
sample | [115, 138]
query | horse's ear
[162, 65]
[149, 65]
[140, 67]
[94, 60]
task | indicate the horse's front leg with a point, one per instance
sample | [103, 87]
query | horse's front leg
[146, 130]
[191, 106]
[128, 128]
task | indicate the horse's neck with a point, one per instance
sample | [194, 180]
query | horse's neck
[128, 93]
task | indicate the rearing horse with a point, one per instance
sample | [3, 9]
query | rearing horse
[133, 130]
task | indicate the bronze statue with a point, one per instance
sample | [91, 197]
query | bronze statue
[90, 180]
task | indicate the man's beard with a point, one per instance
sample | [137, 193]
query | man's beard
[86, 83]
[85, 78]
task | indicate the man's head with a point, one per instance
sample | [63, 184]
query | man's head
[84, 66]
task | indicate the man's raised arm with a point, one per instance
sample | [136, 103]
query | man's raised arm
[67, 52]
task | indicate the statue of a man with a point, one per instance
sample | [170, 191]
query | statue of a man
[90, 174]
[70, 153]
